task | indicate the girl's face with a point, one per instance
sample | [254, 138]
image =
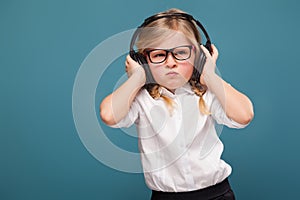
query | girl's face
[173, 73]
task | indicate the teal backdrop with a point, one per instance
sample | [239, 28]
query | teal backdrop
[42, 46]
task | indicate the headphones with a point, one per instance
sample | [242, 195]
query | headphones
[141, 59]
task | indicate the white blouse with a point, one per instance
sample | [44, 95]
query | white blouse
[180, 151]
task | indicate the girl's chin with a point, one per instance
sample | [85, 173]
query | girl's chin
[173, 87]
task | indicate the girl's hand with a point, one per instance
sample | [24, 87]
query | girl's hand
[210, 64]
[132, 67]
[117, 105]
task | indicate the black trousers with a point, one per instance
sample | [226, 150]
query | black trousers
[220, 191]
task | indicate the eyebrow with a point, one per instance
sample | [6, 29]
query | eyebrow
[150, 49]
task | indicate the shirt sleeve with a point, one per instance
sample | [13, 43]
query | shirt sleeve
[130, 118]
[219, 114]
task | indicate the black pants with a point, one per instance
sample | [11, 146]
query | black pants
[220, 191]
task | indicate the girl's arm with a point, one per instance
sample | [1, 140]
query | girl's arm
[237, 106]
[116, 105]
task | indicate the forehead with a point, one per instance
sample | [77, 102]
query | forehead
[171, 40]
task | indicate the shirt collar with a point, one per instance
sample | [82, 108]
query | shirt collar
[185, 89]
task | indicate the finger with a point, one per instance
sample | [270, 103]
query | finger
[205, 51]
[215, 52]
[130, 60]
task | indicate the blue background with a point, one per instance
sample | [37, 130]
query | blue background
[42, 45]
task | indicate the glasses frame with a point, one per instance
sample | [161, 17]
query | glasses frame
[170, 51]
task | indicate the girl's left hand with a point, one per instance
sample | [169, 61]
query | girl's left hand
[210, 64]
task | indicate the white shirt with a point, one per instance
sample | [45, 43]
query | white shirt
[180, 151]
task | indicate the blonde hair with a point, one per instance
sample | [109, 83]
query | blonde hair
[157, 31]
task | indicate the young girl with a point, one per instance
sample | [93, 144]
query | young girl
[175, 116]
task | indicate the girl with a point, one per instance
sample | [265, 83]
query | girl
[175, 116]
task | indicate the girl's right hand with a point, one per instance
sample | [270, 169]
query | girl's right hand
[132, 67]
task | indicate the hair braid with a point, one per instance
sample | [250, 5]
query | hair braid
[200, 90]
[155, 92]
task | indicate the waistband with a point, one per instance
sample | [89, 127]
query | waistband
[205, 193]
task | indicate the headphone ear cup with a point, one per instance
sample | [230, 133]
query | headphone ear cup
[134, 56]
[198, 66]
[141, 59]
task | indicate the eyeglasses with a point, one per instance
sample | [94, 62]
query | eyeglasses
[157, 56]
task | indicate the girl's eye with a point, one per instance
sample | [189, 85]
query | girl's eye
[158, 54]
[181, 52]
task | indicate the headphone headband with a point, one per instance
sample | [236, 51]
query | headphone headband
[183, 16]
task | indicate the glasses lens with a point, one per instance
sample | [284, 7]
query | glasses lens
[157, 56]
[182, 53]
[179, 53]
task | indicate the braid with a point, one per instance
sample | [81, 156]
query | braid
[200, 90]
[155, 92]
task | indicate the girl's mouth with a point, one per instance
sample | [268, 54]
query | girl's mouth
[172, 73]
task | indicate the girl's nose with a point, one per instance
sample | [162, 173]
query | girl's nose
[170, 61]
